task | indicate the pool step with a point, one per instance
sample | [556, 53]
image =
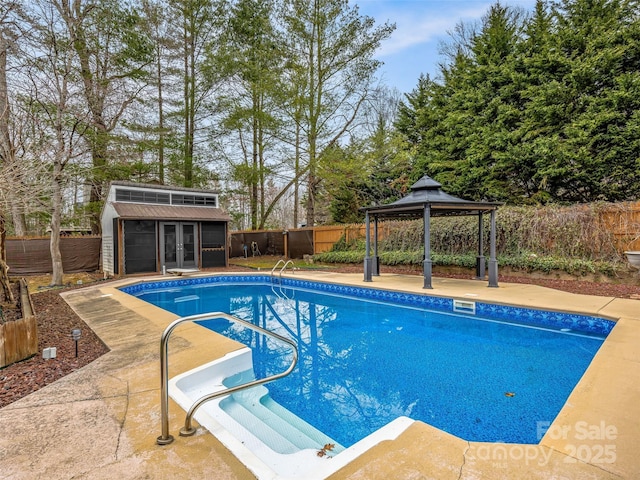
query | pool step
[273, 424]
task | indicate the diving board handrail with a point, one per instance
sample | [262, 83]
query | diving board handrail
[188, 430]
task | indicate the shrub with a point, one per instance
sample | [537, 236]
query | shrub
[555, 231]
[577, 239]
[526, 263]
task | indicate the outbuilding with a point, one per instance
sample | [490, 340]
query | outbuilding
[148, 228]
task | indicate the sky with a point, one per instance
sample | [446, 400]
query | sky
[421, 27]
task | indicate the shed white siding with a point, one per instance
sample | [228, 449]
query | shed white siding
[108, 214]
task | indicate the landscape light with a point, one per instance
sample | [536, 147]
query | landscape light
[75, 334]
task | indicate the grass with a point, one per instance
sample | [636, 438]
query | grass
[41, 282]
[267, 262]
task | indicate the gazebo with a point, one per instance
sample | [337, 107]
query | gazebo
[426, 200]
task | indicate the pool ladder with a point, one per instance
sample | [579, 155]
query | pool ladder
[284, 267]
[188, 429]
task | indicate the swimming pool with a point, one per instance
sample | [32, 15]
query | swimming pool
[368, 356]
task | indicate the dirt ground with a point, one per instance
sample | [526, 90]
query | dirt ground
[55, 321]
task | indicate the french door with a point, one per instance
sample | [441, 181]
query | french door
[179, 245]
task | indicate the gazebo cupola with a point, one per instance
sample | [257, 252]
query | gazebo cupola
[426, 200]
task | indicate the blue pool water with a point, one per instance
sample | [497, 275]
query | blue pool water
[364, 362]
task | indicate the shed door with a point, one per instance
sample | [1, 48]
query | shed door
[139, 246]
[214, 244]
[179, 244]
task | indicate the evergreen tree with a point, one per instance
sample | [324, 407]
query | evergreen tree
[199, 27]
[597, 147]
[496, 106]
[535, 110]
[536, 69]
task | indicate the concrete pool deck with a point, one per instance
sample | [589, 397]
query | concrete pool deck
[101, 422]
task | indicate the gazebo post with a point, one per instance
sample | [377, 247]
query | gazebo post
[480, 267]
[367, 257]
[375, 266]
[493, 262]
[427, 247]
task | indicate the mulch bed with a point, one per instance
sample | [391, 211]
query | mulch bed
[55, 321]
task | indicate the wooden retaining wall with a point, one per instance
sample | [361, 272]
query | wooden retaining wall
[19, 338]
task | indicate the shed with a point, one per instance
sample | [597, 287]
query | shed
[426, 200]
[149, 228]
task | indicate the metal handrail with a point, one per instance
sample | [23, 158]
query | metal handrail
[187, 430]
[272, 272]
[285, 267]
[276, 266]
[282, 270]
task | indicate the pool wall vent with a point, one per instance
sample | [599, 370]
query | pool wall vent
[464, 306]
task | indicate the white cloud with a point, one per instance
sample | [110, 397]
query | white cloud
[424, 25]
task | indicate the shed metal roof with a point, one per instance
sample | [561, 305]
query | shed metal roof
[142, 211]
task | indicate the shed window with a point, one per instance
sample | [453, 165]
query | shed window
[141, 196]
[199, 200]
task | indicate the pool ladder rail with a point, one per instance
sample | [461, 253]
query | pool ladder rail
[284, 264]
[188, 429]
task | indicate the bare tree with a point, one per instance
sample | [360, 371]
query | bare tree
[55, 109]
[111, 55]
[6, 144]
[331, 51]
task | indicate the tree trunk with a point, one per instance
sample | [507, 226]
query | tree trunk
[18, 220]
[4, 268]
[6, 155]
[312, 183]
[296, 187]
[56, 216]
[160, 116]
[99, 161]
[254, 175]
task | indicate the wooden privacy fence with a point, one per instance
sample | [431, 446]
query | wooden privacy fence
[18, 340]
[31, 255]
[623, 221]
[327, 236]
[297, 241]
[618, 223]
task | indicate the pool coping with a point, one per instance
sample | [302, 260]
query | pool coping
[539, 317]
[114, 401]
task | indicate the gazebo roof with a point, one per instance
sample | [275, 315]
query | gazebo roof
[428, 192]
